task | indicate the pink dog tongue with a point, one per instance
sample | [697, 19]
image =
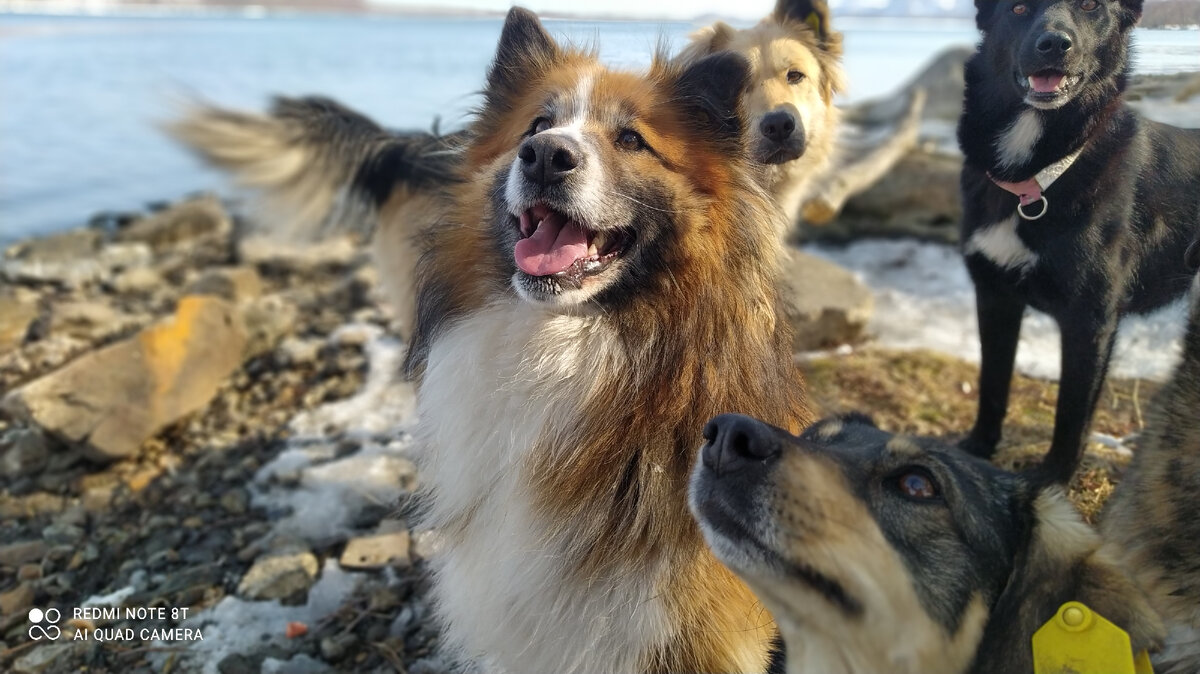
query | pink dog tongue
[1045, 84]
[554, 247]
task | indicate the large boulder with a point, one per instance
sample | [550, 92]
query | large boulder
[182, 222]
[111, 400]
[829, 306]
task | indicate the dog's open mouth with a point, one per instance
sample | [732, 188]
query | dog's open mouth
[552, 244]
[1046, 85]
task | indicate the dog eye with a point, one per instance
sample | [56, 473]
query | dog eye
[1020, 8]
[1089, 5]
[539, 125]
[629, 139]
[918, 485]
[795, 77]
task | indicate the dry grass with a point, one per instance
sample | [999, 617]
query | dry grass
[923, 393]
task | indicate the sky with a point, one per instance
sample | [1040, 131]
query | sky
[675, 9]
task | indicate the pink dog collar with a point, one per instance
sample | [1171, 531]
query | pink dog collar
[1030, 191]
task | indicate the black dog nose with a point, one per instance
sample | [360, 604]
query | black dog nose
[1054, 40]
[548, 158]
[778, 126]
[736, 442]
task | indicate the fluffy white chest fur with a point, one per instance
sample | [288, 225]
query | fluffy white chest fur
[496, 383]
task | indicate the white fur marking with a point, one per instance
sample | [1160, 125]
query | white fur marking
[1016, 144]
[497, 383]
[588, 195]
[1001, 244]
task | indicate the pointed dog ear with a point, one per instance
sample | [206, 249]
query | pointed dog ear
[1063, 561]
[984, 9]
[1133, 9]
[815, 13]
[711, 91]
[525, 52]
[707, 40]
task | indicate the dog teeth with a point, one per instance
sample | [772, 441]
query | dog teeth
[592, 250]
[599, 242]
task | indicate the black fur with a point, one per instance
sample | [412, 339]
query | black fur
[806, 11]
[1118, 221]
[380, 159]
[521, 53]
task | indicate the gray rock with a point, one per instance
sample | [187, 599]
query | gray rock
[62, 534]
[267, 320]
[47, 658]
[377, 551]
[22, 552]
[65, 247]
[110, 401]
[16, 600]
[235, 501]
[279, 575]
[90, 320]
[182, 222]
[23, 452]
[335, 648]
[75, 264]
[917, 198]
[299, 664]
[137, 281]
[302, 256]
[15, 318]
[236, 284]
[829, 306]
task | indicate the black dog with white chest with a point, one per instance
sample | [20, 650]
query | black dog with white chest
[1073, 204]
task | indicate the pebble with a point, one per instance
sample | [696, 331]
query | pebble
[377, 551]
[279, 575]
[17, 599]
[23, 451]
[235, 501]
[22, 552]
[62, 534]
[335, 648]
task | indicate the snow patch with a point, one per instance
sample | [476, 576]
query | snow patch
[238, 626]
[929, 282]
[323, 492]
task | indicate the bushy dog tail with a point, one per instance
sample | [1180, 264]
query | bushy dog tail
[319, 165]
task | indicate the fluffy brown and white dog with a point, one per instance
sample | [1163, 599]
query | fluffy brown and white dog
[795, 61]
[321, 165]
[605, 281]
[879, 553]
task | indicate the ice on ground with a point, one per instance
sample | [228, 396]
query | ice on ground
[238, 626]
[924, 299]
[331, 490]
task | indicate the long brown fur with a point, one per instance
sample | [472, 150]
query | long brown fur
[708, 337]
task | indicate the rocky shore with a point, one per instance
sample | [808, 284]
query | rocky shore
[205, 459]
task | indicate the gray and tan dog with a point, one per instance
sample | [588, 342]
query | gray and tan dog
[1153, 521]
[878, 553]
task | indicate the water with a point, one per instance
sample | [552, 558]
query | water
[80, 97]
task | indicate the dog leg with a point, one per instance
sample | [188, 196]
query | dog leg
[1086, 349]
[1000, 317]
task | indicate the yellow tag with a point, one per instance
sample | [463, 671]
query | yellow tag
[814, 22]
[1079, 641]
